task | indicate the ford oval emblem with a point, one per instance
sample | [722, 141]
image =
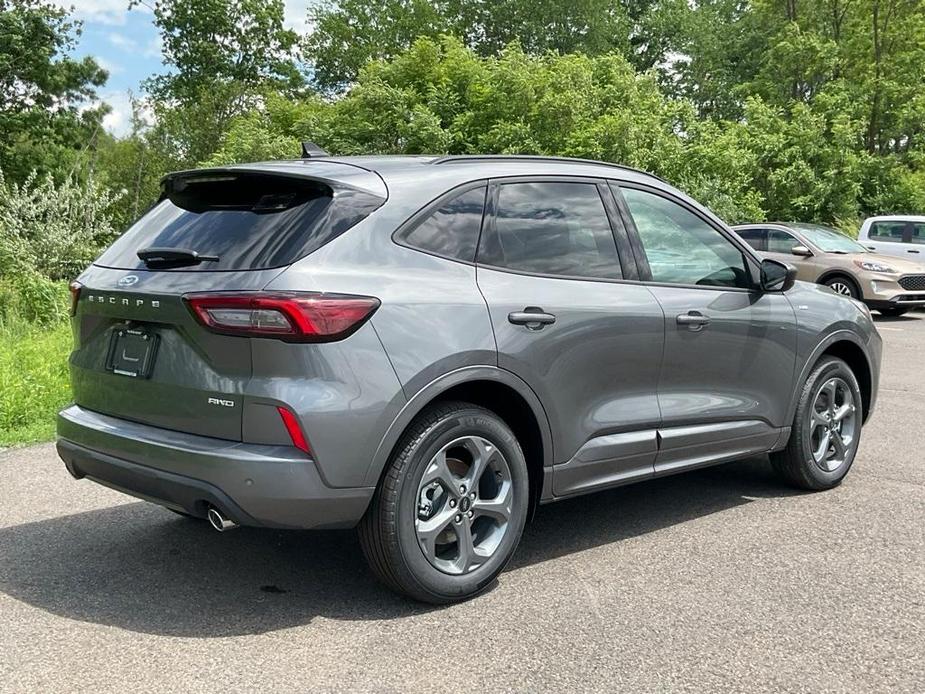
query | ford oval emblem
[128, 281]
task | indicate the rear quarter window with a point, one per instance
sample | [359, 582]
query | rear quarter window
[452, 229]
[249, 221]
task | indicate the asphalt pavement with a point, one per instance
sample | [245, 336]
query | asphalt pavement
[712, 581]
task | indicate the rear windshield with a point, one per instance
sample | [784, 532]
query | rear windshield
[248, 221]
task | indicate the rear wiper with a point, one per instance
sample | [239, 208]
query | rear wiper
[173, 257]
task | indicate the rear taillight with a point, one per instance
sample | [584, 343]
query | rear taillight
[74, 288]
[295, 431]
[289, 316]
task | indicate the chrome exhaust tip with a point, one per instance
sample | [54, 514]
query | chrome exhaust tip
[219, 521]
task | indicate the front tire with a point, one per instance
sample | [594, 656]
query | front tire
[844, 286]
[451, 506]
[826, 429]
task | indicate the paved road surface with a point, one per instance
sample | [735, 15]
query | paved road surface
[717, 580]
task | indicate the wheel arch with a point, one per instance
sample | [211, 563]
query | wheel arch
[845, 274]
[848, 347]
[495, 389]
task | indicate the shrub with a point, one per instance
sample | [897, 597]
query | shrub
[53, 228]
[30, 297]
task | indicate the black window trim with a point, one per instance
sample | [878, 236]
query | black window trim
[399, 236]
[616, 227]
[752, 260]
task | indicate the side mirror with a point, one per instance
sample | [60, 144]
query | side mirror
[776, 276]
[801, 250]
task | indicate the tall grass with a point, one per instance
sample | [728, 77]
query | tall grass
[33, 380]
[34, 347]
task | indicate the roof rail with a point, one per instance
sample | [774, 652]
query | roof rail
[451, 158]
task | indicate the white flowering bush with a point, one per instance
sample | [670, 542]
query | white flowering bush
[53, 229]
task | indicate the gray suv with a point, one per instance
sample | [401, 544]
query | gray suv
[428, 348]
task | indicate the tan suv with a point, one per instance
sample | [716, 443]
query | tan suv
[890, 285]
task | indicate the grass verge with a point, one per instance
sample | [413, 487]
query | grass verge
[33, 380]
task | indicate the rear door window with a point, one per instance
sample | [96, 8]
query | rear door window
[452, 230]
[551, 228]
[249, 221]
[887, 231]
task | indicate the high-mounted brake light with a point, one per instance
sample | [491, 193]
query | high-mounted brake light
[74, 287]
[295, 431]
[288, 316]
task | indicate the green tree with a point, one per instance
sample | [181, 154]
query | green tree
[224, 55]
[45, 94]
[348, 34]
[212, 43]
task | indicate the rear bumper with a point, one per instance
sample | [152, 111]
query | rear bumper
[272, 486]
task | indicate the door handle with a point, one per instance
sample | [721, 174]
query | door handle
[694, 320]
[909, 250]
[532, 317]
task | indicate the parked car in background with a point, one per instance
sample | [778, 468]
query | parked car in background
[902, 236]
[825, 256]
[428, 347]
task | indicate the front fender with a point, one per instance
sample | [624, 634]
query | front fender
[808, 364]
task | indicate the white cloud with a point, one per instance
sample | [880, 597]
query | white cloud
[120, 40]
[108, 65]
[119, 120]
[112, 12]
[154, 48]
[296, 12]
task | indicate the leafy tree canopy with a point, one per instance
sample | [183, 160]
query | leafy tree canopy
[349, 33]
[44, 93]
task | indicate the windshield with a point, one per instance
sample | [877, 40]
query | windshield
[829, 240]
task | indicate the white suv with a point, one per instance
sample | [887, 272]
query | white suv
[899, 235]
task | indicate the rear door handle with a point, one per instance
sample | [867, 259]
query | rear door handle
[693, 320]
[909, 250]
[533, 317]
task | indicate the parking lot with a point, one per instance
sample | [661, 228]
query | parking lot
[716, 580]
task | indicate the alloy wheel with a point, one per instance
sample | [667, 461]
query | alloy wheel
[840, 287]
[833, 424]
[464, 505]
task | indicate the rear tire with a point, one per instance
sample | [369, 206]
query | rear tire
[451, 506]
[826, 429]
[892, 312]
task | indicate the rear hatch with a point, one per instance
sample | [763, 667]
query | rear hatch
[140, 353]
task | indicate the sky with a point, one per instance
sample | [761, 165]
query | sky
[127, 44]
